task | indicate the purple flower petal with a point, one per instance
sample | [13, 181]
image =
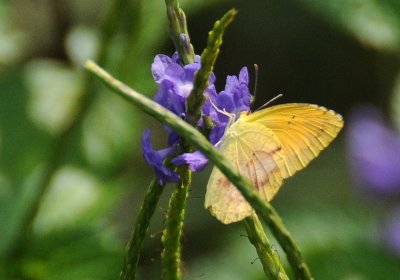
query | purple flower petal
[166, 96]
[244, 76]
[156, 159]
[374, 152]
[216, 133]
[161, 62]
[196, 161]
[174, 73]
[173, 137]
[175, 58]
[234, 99]
[241, 93]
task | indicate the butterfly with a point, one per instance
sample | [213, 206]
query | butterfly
[267, 147]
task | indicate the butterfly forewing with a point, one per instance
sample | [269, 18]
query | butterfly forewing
[256, 153]
[303, 131]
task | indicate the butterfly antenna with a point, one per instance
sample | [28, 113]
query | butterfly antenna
[224, 112]
[219, 110]
[255, 80]
[230, 116]
[255, 87]
[269, 102]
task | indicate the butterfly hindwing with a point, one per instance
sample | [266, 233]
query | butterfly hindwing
[255, 152]
[303, 131]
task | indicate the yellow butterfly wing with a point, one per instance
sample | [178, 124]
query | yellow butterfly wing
[266, 147]
[256, 153]
[303, 131]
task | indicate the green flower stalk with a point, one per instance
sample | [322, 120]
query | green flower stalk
[268, 257]
[142, 225]
[171, 239]
[196, 98]
[179, 32]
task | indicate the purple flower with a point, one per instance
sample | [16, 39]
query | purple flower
[374, 156]
[217, 132]
[234, 99]
[196, 161]
[374, 150]
[175, 82]
[156, 159]
[236, 96]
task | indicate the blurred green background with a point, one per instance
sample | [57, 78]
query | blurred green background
[337, 54]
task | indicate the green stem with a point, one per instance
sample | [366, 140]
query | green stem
[142, 224]
[179, 32]
[268, 257]
[172, 235]
[171, 255]
[196, 97]
[193, 136]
